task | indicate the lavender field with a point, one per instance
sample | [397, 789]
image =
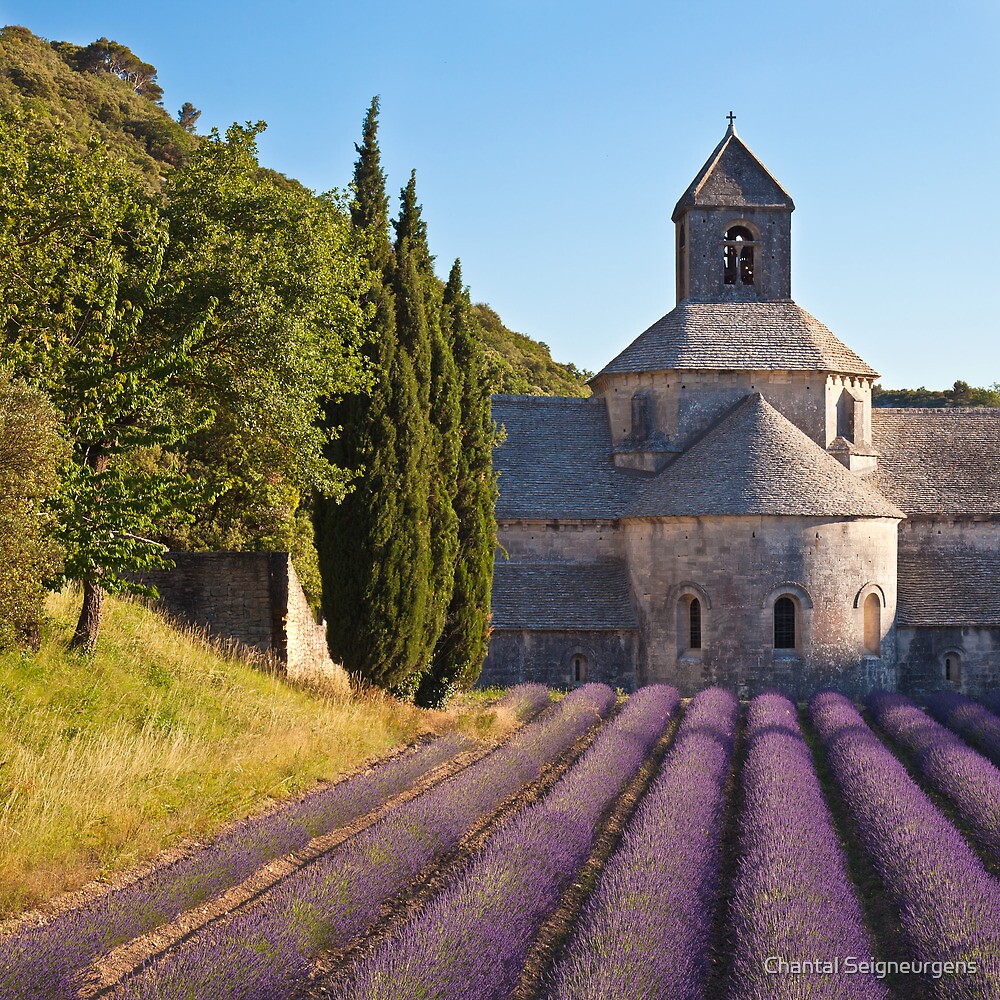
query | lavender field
[611, 847]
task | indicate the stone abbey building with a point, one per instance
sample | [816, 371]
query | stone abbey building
[728, 508]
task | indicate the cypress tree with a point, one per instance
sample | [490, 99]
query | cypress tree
[374, 550]
[419, 302]
[461, 649]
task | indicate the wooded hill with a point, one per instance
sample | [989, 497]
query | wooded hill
[57, 85]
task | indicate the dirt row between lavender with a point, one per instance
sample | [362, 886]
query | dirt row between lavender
[108, 971]
[331, 969]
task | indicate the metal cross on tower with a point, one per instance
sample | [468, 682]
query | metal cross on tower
[731, 118]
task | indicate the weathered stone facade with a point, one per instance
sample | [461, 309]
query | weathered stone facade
[251, 599]
[728, 509]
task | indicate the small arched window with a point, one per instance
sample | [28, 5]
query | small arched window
[952, 668]
[738, 256]
[694, 624]
[579, 668]
[784, 623]
[873, 625]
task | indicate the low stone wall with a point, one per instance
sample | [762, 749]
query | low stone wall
[253, 599]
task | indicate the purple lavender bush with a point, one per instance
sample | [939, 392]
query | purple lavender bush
[644, 933]
[472, 941]
[951, 768]
[265, 950]
[39, 962]
[975, 724]
[949, 906]
[526, 700]
[793, 898]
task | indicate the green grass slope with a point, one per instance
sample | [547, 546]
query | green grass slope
[105, 760]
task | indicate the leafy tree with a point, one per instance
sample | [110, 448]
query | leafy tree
[82, 246]
[119, 60]
[188, 116]
[31, 450]
[277, 271]
[461, 649]
[374, 546]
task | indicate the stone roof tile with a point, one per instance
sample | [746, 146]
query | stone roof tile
[556, 459]
[939, 461]
[744, 336]
[733, 177]
[755, 461]
[592, 597]
[949, 589]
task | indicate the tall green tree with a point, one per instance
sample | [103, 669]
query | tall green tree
[374, 546]
[461, 648]
[31, 452]
[419, 296]
[81, 254]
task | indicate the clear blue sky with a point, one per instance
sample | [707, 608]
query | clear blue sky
[552, 139]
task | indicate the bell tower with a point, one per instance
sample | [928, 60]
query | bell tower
[734, 230]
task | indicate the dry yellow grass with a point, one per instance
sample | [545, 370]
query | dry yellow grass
[107, 759]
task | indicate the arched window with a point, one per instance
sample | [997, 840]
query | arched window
[579, 668]
[738, 256]
[952, 668]
[784, 623]
[873, 625]
[694, 624]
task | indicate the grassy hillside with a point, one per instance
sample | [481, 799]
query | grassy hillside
[105, 760]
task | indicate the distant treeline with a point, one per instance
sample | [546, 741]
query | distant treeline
[960, 394]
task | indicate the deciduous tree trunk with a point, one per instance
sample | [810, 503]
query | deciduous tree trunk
[89, 626]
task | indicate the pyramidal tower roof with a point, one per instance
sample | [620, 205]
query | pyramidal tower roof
[733, 177]
[757, 462]
[754, 336]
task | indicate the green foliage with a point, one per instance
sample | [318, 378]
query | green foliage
[188, 116]
[374, 546]
[514, 363]
[418, 297]
[461, 648]
[276, 273]
[961, 394]
[31, 450]
[82, 246]
[45, 80]
[104, 56]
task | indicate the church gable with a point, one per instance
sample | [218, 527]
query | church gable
[733, 177]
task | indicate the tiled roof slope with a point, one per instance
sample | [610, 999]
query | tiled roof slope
[733, 177]
[755, 461]
[967, 576]
[939, 461]
[755, 336]
[556, 459]
[593, 597]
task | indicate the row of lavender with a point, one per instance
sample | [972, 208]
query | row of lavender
[949, 765]
[40, 961]
[472, 942]
[948, 904]
[267, 949]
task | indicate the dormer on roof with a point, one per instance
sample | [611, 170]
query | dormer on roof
[733, 227]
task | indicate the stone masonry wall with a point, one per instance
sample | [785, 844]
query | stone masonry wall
[253, 599]
[738, 567]
[547, 657]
